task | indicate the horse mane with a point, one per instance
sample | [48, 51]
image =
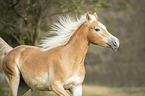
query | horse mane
[64, 30]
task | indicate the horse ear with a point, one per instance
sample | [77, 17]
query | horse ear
[88, 17]
[96, 16]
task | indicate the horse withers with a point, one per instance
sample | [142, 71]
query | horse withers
[59, 65]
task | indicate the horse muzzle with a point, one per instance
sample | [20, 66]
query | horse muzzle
[113, 43]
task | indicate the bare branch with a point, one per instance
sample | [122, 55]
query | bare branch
[12, 7]
[16, 38]
[46, 3]
[59, 13]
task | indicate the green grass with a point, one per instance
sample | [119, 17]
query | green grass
[4, 90]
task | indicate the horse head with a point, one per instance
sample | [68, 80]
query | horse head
[98, 34]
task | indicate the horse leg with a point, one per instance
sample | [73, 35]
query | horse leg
[13, 83]
[13, 80]
[76, 90]
[23, 88]
[58, 89]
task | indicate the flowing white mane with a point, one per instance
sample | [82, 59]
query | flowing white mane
[64, 30]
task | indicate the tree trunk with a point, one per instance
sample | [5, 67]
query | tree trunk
[30, 32]
[37, 36]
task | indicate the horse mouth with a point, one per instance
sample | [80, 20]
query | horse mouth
[113, 45]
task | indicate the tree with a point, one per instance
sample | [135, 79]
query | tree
[24, 19]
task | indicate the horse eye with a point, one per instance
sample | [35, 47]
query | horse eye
[97, 29]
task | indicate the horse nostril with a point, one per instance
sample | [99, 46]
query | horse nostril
[115, 44]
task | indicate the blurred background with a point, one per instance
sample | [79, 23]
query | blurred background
[28, 21]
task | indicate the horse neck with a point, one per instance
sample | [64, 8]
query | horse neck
[78, 42]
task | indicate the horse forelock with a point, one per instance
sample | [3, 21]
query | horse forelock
[64, 30]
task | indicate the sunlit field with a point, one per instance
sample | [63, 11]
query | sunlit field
[88, 90]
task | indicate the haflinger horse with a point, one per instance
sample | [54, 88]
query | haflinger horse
[59, 64]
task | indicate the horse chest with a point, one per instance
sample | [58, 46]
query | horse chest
[72, 81]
